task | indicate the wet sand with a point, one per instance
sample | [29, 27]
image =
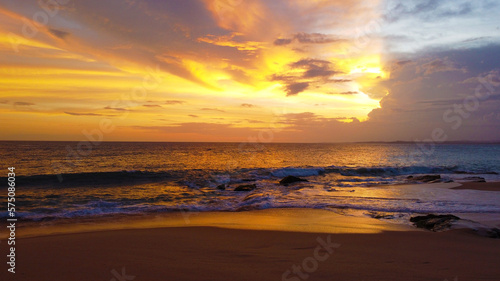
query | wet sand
[485, 186]
[366, 250]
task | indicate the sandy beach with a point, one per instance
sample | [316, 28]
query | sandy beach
[293, 244]
[284, 140]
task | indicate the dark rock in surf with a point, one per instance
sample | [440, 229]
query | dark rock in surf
[475, 179]
[488, 232]
[380, 215]
[290, 179]
[426, 178]
[221, 187]
[246, 187]
[434, 222]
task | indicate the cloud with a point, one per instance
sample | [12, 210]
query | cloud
[307, 72]
[251, 121]
[429, 9]
[296, 88]
[339, 80]
[205, 50]
[22, 103]
[427, 92]
[403, 62]
[307, 38]
[59, 33]
[476, 39]
[315, 38]
[117, 108]
[438, 65]
[153, 105]
[206, 131]
[83, 114]
[212, 109]
[315, 68]
[282, 41]
[172, 102]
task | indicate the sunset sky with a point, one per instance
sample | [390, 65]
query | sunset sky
[256, 70]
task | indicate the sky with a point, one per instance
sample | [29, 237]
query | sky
[250, 70]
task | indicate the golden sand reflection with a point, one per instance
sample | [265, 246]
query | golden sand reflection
[294, 220]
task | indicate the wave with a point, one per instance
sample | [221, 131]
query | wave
[196, 178]
[258, 201]
[297, 171]
[92, 178]
[374, 171]
[398, 171]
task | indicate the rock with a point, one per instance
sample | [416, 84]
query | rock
[426, 178]
[221, 187]
[290, 179]
[475, 179]
[246, 187]
[380, 215]
[434, 222]
[489, 232]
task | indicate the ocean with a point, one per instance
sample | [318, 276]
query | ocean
[83, 180]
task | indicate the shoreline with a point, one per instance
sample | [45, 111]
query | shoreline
[268, 244]
[277, 219]
[214, 253]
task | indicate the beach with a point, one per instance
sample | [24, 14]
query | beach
[276, 244]
[163, 216]
[345, 140]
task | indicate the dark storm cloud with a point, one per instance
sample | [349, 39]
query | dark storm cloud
[430, 92]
